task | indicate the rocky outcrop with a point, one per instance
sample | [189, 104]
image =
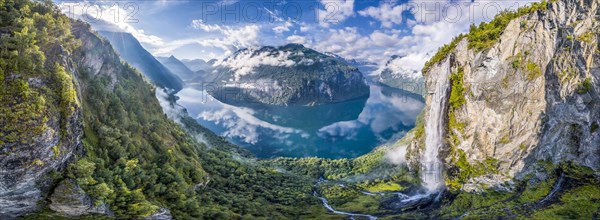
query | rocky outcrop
[70, 200]
[26, 169]
[287, 75]
[28, 164]
[533, 95]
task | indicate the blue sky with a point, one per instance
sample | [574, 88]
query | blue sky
[368, 30]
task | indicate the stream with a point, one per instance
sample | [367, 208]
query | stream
[352, 215]
[402, 201]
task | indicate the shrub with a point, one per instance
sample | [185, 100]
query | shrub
[585, 86]
[587, 37]
[533, 71]
[486, 34]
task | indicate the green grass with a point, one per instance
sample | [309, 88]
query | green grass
[579, 203]
[361, 204]
[465, 201]
[385, 187]
[457, 94]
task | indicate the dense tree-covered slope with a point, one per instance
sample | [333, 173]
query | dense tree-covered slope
[129, 158]
[520, 126]
[83, 134]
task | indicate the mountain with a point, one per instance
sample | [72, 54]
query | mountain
[352, 62]
[395, 74]
[132, 51]
[84, 135]
[526, 95]
[177, 67]
[286, 75]
[198, 64]
[510, 129]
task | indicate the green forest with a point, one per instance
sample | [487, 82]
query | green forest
[136, 160]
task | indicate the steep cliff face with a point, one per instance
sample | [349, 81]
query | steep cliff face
[82, 132]
[26, 169]
[529, 95]
[40, 114]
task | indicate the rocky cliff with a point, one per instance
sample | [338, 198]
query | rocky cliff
[527, 94]
[83, 133]
[40, 114]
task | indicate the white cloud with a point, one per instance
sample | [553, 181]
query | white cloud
[283, 28]
[386, 13]
[305, 28]
[107, 20]
[384, 40]
[298, 39]
[228, 2]
[245, 61]
[335, 11]
[201, 25]
[427, 31]
[226, 38]
[407, 66]
[397, 155]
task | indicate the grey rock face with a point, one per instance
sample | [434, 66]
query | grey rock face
[533, 95]
[26, 169]
[70, 200]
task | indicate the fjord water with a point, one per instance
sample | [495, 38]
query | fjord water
[338, 130]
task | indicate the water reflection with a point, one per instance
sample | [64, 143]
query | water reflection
[337, 130]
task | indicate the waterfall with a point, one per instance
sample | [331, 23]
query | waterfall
[431, 166]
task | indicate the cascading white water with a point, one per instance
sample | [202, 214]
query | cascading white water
[431, 166]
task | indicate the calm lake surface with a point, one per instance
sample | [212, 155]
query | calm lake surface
[339, 130]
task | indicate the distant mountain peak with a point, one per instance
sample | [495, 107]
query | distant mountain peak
[177, 67]
[134, 53]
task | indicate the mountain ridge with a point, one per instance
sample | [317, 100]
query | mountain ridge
[134, 53]
[176, 67]
[287, 75]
